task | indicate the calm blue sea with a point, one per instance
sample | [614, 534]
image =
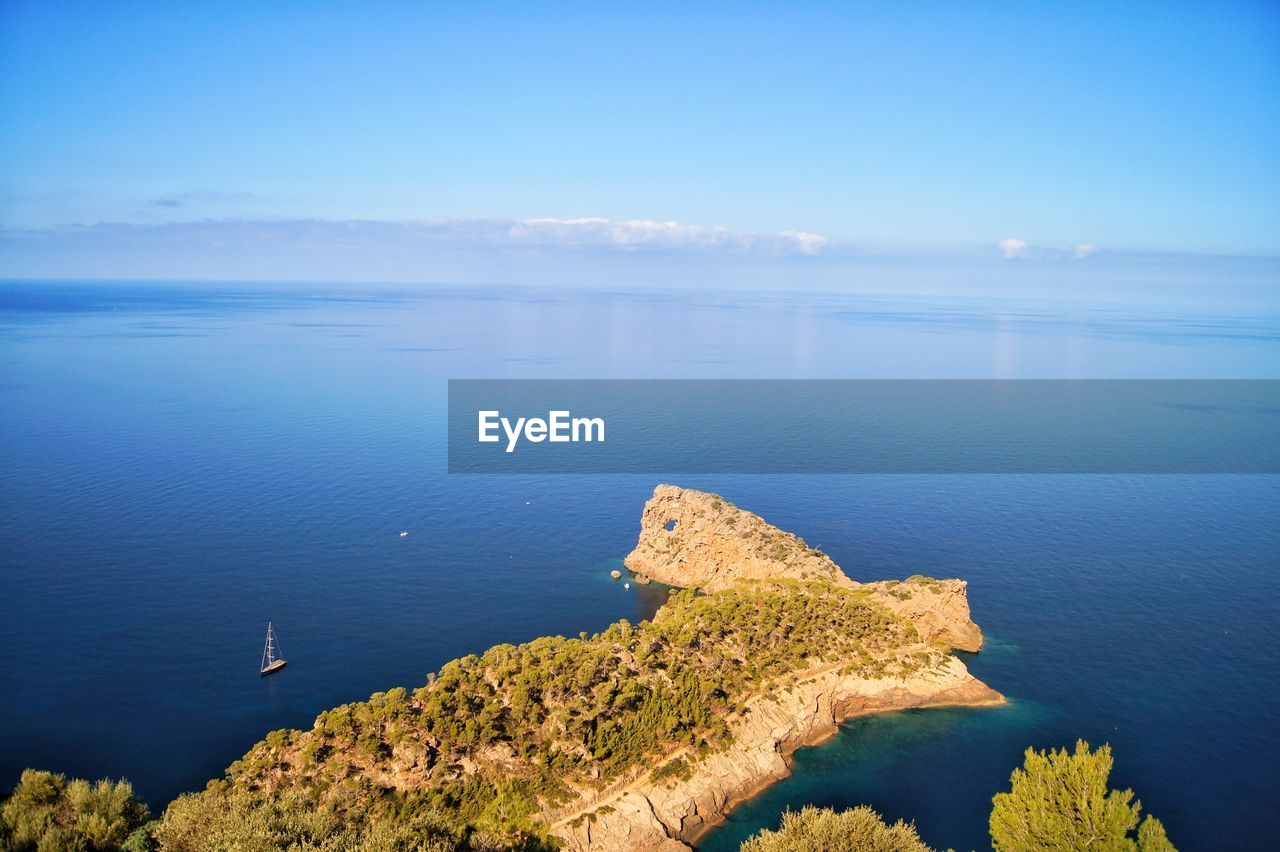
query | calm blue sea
[181, 463]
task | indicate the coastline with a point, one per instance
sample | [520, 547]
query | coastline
[672, 815]
[788, 756]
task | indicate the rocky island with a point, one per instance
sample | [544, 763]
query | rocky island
[641, 737]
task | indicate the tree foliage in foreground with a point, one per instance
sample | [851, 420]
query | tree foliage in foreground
[240, 821]
[47, 812]
[858, 829]
[1060, 801]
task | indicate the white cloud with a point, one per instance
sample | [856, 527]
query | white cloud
[807, 243]
[1013, 249]
[595, 232]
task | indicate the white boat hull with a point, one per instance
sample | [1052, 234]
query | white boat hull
[274, 667]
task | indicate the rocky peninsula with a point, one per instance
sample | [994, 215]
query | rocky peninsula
[641, 737]
[693, 539]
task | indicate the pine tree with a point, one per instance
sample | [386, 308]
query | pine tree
[1060, 801]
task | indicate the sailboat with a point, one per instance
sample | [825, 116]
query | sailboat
[270, 662]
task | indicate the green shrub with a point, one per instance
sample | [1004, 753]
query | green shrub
[48, 812]
[1060, 800]
[678, 768]
[858, 829]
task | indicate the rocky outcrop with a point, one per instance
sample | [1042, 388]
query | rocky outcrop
[939, 609]
[697, 540]
[669, 815]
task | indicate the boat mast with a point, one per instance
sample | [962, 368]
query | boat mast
[268, 655]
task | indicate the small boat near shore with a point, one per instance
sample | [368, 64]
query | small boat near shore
[270, 661]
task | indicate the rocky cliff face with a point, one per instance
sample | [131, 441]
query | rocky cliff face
[671, 815]
[696, 540]
[939, 609]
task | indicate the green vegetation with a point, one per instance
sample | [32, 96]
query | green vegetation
[224, 819]
[1060, 800]
[480, 755]
[47, 812]
[928, 582]
[672, 769]
[855, 830]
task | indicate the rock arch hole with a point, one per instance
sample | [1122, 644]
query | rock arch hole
[670, 525]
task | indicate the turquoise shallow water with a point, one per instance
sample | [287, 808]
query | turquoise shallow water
[181, 463]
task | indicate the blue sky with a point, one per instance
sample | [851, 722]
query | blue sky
[1125, 126]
